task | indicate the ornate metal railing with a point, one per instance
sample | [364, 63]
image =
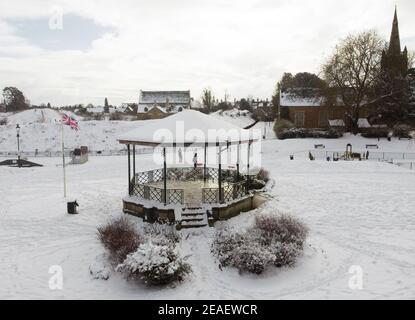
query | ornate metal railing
[231, 188]
[230, 192]
[174, 196]
[185, 174]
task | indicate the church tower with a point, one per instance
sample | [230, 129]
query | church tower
[395, 61]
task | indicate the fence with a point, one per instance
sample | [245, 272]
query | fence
[35, 153]
[368, 154]
[407, 164]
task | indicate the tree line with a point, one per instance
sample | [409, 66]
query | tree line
[353, 75]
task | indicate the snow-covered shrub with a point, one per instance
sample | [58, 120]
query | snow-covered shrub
[3, 122]
[224, 246]
[120, 238]
[263, 175]
[155, 264]
[402, 131]
[273, 240]
[376, 133]
[256, 184]
[285, 254]
[281, 228]
[99, 270]
[281, 125]
[283, 235]
[297, 133]
[161, 233]
[242, 251]
[249, 257]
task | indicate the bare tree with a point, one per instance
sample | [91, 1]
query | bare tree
[353, 70]
[411, 59]
[208, 100]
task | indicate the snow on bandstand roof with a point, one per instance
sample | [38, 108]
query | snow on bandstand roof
[188, 127]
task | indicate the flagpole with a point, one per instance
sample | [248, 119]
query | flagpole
[63, 163]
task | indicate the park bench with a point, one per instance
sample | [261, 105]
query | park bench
[319, 146]
[372, 146]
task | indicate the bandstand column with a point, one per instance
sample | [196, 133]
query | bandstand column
[164, 177]
[237, 161]
[220, 174]
[248, 165]
[129, 169]
[134, 163]
[204, 163]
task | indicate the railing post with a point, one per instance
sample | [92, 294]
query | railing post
[164, 176]
[220, 174]
[247, 178]
[237, 161]
[204, 164]
[134, 163]
[129, 170]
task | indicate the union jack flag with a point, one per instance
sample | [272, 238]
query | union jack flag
[69, 121]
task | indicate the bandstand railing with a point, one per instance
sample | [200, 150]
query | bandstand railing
[231, 188]
[230, 192]
[174, 196]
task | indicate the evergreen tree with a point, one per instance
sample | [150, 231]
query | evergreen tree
[106, 106]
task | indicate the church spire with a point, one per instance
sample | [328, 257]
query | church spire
[395, 42]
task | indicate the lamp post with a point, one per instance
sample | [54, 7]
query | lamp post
[18, 145]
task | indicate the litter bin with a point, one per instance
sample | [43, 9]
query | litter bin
[72, 207]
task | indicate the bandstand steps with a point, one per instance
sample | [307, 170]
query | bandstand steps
[194, 217]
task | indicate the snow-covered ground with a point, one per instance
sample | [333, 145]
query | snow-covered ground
[41, 130]
[359, 214]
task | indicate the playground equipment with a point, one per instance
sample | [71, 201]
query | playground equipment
[19, 163]
[79, 155]
[349, 155]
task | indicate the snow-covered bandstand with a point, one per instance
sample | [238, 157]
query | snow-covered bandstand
[190, 196]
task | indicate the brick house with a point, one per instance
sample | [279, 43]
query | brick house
[307, 108]
[160, 104]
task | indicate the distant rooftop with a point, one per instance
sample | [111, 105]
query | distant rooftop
[161, 97]
[301, 97]
[305, 97]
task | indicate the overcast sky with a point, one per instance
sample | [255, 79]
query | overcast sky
[109, 48]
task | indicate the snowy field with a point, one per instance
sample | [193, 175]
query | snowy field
[41, 130]
[359, 214]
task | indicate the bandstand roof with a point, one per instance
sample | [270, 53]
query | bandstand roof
[188, 127]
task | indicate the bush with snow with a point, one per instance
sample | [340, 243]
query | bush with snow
[300, 133]
[402, 131]
[161, 233]
[263, 175]
[156, 264]
[99, 270]
[281, 228]
[275, 240]
[120, 238]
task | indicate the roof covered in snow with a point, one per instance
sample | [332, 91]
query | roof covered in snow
[189, 127]
[305, 97]
[301, 97]
[159, 97]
